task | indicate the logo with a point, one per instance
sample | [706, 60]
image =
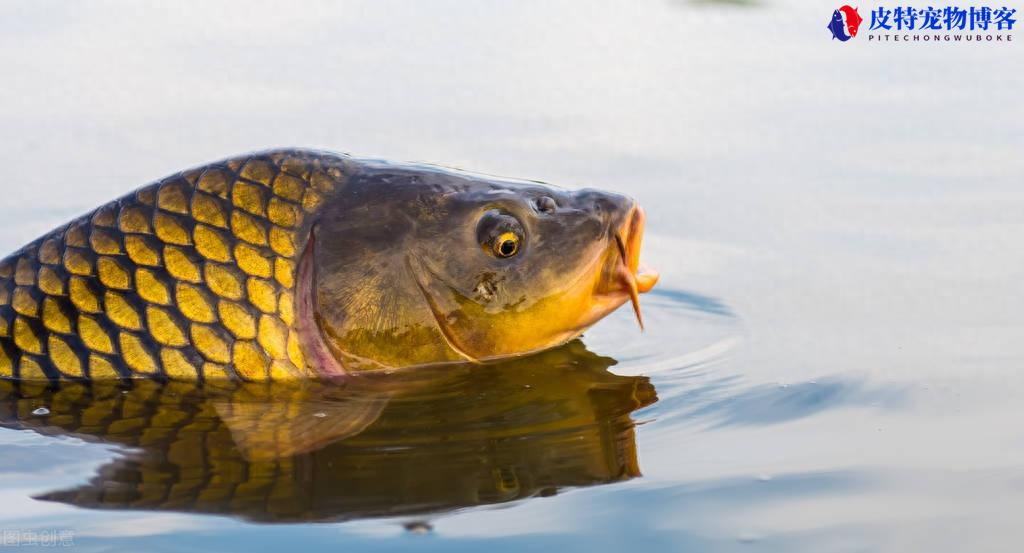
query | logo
[929, 24]
[844, 24]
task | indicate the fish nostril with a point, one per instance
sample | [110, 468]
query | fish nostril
[604, 207]
[545, 204]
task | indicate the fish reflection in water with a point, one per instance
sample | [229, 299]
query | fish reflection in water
[424, 441]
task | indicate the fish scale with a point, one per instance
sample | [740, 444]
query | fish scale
[191, 277]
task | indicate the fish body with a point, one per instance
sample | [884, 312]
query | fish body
[294, 264]
[188, 278]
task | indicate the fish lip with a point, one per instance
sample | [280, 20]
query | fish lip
[622, 278]
[627, 274]
[630, 237]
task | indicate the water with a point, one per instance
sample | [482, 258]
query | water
[833, 357]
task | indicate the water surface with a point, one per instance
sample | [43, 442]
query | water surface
[832, 360]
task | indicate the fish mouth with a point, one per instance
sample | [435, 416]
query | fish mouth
[627, 272]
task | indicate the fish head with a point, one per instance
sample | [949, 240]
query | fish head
[419, 265]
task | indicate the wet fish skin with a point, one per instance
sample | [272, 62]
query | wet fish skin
[294, 264]
[189, 278]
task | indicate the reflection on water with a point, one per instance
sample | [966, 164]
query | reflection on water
[425, 441]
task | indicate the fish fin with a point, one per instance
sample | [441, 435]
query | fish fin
[264, 431]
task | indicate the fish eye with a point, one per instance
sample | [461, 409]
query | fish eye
[545, 204]
[506, 245]
[500, 234]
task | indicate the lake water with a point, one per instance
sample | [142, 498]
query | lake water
[833, 361]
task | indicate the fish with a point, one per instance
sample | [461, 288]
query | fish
[853, 19]
[838, 27]
[296, 264]
[418, 442]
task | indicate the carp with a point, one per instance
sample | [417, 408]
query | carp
[295, 264]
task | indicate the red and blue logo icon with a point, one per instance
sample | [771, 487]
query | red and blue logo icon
[844, 24]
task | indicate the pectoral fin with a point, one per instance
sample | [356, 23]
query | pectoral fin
[264, 431]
